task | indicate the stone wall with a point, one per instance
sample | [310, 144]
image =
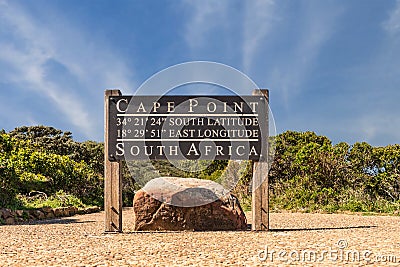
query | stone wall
[11, 217]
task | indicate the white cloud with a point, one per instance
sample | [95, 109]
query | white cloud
[246, 23]
[29, 72]
[206, 15]
[314, 29]
[392, 25]
[258, 21]
[29, 43]
[257, 26]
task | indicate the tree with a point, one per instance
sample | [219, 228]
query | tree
[46, 138]
[8, 177]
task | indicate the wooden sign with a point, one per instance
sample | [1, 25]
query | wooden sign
[187, 127]
[182, 128]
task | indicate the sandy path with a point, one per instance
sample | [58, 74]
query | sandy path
[302, 239]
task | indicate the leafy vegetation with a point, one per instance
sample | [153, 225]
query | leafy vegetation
[59, 199]
[43, 166]
[310, 174]
[46, 160]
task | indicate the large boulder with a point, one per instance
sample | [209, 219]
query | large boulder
[171, 203]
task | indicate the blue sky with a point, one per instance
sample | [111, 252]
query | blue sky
[332, 67]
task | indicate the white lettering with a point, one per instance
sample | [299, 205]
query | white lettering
[192, 103]
[253, 106]
[208, 150]
[236, 107]
[156, 105]
[237, 150]
[118, 105]
[219, 151]
[173, 150]
[141, 107]
[193, 149]
[120, 149]
[171, 106]
[137, 150]
[209, 107]
[253, 151]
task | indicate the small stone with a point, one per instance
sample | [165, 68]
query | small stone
[80, 211]
[19, 213]
[50, 215]
[47, 210]
[65, 212]
[92, 210]
[10, 221]
[6, 213]
[39, 214]
[58, 212]
[72, 210]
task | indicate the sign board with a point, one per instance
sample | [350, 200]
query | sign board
[187, 127]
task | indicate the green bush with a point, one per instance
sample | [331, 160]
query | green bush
[8, 177]
[29, 162]
[40, 200]
[309, 173]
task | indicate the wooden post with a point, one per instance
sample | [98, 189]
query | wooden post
[112, 178]
[260, 197]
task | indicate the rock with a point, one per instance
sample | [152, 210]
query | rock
[50, 215]
[80, 211]
[47, 210]
[10, 221]
[65, 212]
[39, 214]
[171, 203]
[58, 212]
[6, 213]
[91, 210]
[19, 213]
[31, 214]
[72, 210]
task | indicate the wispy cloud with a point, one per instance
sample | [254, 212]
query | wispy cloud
[313, 31]
[205, 16]
[28, 44]
[258, 20]
[243, 25]
[392, 25]
[376, 86]
[258, 27]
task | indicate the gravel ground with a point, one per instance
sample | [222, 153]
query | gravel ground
[295, 238]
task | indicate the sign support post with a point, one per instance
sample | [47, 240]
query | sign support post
[112, 177]
[260, 194]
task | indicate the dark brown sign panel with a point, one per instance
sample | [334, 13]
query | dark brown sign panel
[187, 127]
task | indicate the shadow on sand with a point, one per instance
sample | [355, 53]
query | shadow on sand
[55, 221]
[249, 230]
[321, 228]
